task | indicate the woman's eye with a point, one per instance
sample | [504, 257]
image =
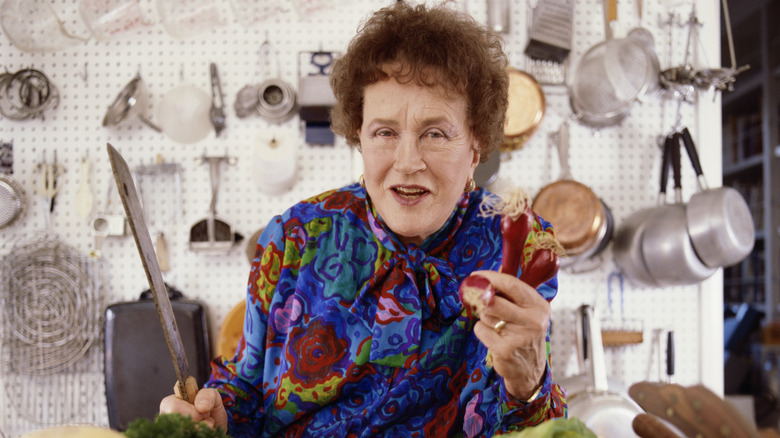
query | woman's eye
[434, 134]
[384, 133]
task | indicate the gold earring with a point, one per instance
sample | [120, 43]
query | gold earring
[471, 185]
[362, 181]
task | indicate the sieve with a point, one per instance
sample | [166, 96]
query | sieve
[611, 76]
[11, 193]
[11, 201]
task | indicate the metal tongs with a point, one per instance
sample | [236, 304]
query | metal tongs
[217, 112]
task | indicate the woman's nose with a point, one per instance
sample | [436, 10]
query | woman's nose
[408, 155]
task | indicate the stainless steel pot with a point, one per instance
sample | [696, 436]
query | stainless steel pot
[719, 220]
[627, 246]
[667, 248]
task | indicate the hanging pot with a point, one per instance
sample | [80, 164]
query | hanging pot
[525, 109]
[666, 245]
[579, 217]
[719, 220]
[627, 246]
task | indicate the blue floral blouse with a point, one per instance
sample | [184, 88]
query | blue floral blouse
[350, 333]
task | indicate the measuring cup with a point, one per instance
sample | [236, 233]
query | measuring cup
[107, 19]
[33, 26]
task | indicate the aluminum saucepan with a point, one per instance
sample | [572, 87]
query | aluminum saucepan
[719, 221]
[666, 245]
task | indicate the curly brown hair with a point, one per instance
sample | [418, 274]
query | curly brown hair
[429, 45]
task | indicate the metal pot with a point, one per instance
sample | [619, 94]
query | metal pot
[627, 247]
[666, 246]
[719, 221]
[580, 218]
[604, 411]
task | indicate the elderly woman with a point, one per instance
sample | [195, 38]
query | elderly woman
[353, 325]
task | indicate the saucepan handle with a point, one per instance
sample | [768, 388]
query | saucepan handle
[690, 148]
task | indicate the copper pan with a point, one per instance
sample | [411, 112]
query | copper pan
[525, 111]
[576, 213]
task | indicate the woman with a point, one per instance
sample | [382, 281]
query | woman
[353, 323]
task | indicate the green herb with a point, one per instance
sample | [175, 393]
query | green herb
[171, 426]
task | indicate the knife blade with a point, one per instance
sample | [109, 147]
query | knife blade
[186, 387]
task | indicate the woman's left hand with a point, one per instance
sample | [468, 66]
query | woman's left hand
[519, 347]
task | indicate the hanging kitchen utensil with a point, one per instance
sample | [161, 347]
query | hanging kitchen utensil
[33, 26]
[718, 219]
[51, 300]
[627, 246]
[185, 18]
[498, 15]
[51, 305]
[159, 186]
[610, 77]
[525, 110]
[576, 213]
[184, 114]
[580, 382]
[667, 249]
[645, 38]
[84, 196]
[606, 412]
[549, 38]
[107, 223]
[273, 99]
[47, 184]
[213, 234]
[109, 19]
[617, 330]
[315, 97]
[275, 161]
[27, 94]
[549, 41]
[217, 111]
[136, 351]
[12, 198]
[132, 100]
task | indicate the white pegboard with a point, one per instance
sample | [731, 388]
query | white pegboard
[620, 163]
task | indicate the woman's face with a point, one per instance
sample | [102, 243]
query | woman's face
[418, 154]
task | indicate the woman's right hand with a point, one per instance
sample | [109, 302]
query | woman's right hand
[208, 408]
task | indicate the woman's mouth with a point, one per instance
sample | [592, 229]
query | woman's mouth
[409, 195]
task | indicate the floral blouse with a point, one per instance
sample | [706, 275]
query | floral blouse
[348, 332]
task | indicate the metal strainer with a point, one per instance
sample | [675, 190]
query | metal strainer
[610, 77]
[11, 201]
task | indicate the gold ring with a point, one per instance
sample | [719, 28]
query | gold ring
[499, 326]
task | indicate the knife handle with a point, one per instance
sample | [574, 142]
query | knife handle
[190, 389]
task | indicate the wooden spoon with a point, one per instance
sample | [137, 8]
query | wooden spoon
[84, 196]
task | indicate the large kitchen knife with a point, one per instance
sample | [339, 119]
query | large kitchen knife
[186, 386]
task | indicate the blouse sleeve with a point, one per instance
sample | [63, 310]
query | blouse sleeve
[240, 379]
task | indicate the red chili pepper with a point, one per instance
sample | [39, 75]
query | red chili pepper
[542, 266]
[515, 233]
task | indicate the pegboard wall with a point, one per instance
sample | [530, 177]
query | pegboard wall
[619, 163]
